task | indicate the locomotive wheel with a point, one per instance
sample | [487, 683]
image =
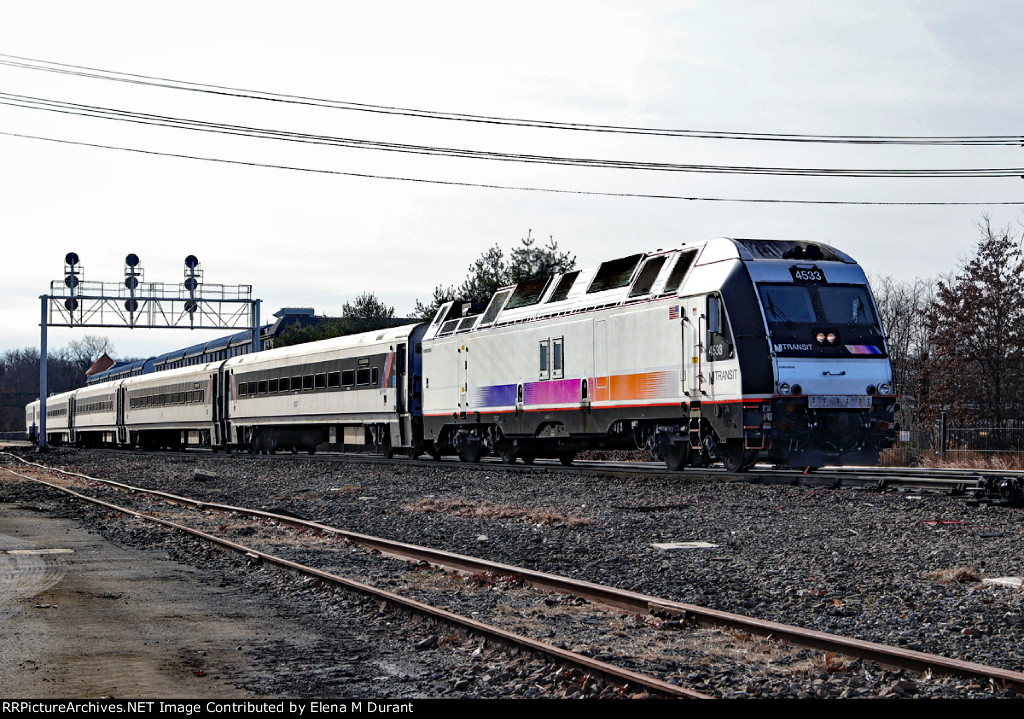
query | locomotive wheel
[508, 453]
[414, 451]
[567, 458]
[527, 458]
[676, 455]
[433, 451]
[736, 457]
[470, 454]
[385, 445]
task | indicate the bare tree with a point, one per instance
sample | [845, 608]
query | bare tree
[87, 350]
[903, 310]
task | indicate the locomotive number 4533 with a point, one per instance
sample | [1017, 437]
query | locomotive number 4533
[807, 274]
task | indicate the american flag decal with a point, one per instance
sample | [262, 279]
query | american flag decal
[673, 312]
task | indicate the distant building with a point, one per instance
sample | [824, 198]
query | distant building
[101, 365]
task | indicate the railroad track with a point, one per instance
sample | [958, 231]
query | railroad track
[989, 485]
[670, 613]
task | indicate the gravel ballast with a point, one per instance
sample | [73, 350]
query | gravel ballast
[890, 567]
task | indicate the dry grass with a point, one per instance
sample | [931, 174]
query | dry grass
[977, 460]
[956, 575]
[487, 510]
[616, 455]
[900, 457]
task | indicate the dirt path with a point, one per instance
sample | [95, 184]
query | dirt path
[81, 617]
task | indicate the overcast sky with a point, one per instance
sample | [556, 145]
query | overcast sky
[319, 239]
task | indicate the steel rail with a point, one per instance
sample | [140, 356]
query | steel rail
[949, 480]
[494, 633]
[623, 599]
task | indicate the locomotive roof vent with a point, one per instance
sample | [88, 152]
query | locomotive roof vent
[792, 250]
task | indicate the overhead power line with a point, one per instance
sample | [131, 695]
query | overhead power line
[116, 76]
[107, 113]
[524, 188]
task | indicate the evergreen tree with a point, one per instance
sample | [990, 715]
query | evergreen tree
[977, 327]
[490, 271]
[364, 314]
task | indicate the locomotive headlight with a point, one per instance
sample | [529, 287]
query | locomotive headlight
[784, 388]
[884, 388]
[831, 338]
[820, 337]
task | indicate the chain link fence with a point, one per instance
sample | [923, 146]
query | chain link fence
[959, 446]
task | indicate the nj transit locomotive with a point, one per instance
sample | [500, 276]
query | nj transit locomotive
[726, 350]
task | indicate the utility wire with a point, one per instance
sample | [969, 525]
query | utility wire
[492, 186]
[106, 113]
[115, 76]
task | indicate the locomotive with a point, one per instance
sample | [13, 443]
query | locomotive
[726, 350]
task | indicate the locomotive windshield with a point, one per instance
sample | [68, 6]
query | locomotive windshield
[846, 305]
[787, 303]
[834, 304]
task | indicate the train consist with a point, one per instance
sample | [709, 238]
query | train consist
[727, 350]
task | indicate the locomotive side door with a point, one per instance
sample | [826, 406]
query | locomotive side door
[693, 327]
[462, 375]
[601, 391]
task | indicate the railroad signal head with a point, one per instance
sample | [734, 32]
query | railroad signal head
[191, 262]
[191, 306]
[72, 270]
[131, 305]
[71, 304]
[131, 282]
[132, 260]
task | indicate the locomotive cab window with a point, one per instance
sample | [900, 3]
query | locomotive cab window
[545, 359]
[719, 336]
[557, 359]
